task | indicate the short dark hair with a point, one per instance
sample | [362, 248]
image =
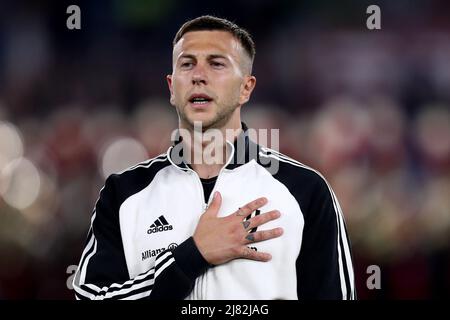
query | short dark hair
[211, 23]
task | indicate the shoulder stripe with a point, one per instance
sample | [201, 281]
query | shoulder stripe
[146, 163]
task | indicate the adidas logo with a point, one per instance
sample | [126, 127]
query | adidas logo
[159, 225]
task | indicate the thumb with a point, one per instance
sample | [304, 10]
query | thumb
[216, 202]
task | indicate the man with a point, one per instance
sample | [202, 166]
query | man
[254, 225]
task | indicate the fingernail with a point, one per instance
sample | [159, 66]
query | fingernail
[215, 195]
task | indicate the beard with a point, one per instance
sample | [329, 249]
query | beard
[220, 118]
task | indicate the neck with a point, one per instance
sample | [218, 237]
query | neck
[209, 150]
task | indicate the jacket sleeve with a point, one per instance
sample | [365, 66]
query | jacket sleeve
[324, 265]
[103, 274]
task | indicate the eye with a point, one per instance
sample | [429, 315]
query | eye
[186, 65]
[216, 64]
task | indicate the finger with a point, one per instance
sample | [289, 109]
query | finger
[261, 219]
[216, 202]
[263, 235]
[247, 253]
[246, 210]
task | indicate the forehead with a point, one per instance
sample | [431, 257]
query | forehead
[208, 42]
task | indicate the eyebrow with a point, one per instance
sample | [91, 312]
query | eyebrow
[216, 56]
[209, 57]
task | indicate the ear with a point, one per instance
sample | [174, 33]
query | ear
[169, 83]
[247, 87]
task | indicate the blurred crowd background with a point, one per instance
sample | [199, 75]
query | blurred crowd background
[369, 109]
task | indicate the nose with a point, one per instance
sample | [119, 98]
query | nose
[199, 75]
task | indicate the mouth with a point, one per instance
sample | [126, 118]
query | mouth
[200, 100]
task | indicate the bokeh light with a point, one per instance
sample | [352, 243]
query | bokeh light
[11, 144]
[23, 183]
[120, 154]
